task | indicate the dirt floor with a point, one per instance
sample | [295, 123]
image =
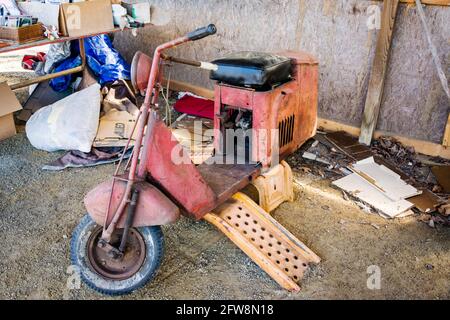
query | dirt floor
[40, 209]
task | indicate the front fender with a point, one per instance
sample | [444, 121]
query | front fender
[153, 207]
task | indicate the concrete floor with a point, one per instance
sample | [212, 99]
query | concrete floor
[39, 210]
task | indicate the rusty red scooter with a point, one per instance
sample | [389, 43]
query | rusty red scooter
[118, 245]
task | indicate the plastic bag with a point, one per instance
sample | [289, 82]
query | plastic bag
[68, 124]
[56, 53]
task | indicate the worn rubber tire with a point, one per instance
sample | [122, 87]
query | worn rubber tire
[154, 242]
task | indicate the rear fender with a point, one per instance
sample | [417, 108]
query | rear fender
[153, 207]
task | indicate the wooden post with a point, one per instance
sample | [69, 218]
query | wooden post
[446, 141]
[378, 74]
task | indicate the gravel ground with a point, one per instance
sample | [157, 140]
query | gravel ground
[39, 210]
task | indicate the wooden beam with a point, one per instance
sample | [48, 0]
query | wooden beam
[421, 146]
[378, 74]
[428, 2]
[446, 141]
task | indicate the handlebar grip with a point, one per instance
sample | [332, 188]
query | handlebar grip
[201, 33]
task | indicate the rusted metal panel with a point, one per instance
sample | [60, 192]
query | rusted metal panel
[290, 108]
[153, 207]
[227, 179]
[182, 181]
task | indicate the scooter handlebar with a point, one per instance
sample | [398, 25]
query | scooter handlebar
[201, 33]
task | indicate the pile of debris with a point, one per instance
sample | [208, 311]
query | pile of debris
[386, 178]
[91, 114]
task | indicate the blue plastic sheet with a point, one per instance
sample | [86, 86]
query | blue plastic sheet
[61, 84]
[106, 62]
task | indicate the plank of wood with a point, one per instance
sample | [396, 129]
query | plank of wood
[378, 74]
[446, 140]
[428, 2]
[421, 146]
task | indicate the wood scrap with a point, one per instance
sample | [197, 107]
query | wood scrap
[442, 174]
[4, 44]
[384, 179]
[349, 145]
[366, 192]
[426, 202]
[445, 209]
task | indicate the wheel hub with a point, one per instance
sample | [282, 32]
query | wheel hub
[116, 268]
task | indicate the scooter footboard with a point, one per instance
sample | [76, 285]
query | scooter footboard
[264, 240]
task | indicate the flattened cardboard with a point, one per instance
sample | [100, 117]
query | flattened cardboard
[8, 105]
[7, 126]
[8, 101]
[85, 18]
[114, 129]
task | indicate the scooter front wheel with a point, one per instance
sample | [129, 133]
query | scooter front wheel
[110, 275]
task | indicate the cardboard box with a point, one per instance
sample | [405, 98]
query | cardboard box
[23, 34]
[8, 104]
[85, 18]
[114, 129]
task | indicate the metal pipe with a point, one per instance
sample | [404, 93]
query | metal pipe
[142, 169]
[107, 231]
[46, 77]
[193, 63]
[181, 60]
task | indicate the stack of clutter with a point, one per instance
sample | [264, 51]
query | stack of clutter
[91, 114]
[387, 178]
[17, 27]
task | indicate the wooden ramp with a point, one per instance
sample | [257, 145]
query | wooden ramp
[264, 240]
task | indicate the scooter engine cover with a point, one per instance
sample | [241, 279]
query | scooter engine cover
[153, 207]
[257, 70]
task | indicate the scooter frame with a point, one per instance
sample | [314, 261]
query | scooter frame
[147, 117]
